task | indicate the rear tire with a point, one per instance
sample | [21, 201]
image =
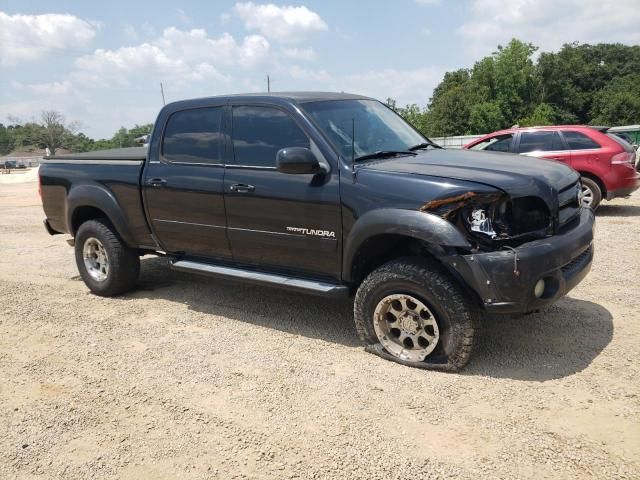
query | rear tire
[591, 193]
[107, 266]
[432, 323]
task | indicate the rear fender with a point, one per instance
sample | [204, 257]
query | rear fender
[99, 197]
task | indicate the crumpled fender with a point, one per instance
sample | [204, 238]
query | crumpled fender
[423, 226]
[98, 196]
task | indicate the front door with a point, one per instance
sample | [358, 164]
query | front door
[183, 187]
[278, 220]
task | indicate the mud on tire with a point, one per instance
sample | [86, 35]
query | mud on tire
[428, 282]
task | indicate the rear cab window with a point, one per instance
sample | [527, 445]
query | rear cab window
[540, 141]
[259, 132]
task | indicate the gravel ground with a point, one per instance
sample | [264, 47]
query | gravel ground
[189, 377]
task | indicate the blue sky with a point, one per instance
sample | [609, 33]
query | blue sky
[100, 63]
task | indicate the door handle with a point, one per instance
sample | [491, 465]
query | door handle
[242, 188]
[157, 182]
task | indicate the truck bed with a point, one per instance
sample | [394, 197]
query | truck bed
[108, 180]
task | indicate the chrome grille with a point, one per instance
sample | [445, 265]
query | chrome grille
[568, 204]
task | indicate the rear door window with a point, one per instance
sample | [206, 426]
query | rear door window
[193, 136]
[540, 142]
[579, 141]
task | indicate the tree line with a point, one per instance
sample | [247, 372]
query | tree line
[579, 84]
[54, 132]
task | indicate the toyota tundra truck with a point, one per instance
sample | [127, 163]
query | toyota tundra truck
[330, 194]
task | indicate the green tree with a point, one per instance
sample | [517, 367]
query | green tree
[571, 78]
[618, 103]
[543, 114]
[6, 140]
[514, 81]
[486, 117]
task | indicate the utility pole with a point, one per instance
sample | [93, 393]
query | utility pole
[162, 92]
[268, 84]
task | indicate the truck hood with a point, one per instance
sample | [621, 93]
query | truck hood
[514, 174]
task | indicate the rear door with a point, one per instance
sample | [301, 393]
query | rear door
[278, 220]
[585, 152]
[183, 186]
[543, 144]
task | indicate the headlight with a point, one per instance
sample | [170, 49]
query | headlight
[492, 219]
[487, 217]
[504, 219]
[479, 222]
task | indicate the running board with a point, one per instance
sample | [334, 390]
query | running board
[325, 289]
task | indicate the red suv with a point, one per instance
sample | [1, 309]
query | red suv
[605, 161]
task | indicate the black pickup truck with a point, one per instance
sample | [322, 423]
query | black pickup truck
[335, 195]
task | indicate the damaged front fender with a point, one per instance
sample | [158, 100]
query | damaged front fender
[423, 226]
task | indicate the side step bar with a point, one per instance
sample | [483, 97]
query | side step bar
[325, 289]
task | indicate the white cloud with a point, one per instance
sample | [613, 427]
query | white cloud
[47, 88]
[299, 53]
[309, 75]
[285, 24]
[182, 55]
[406, 86]
[29, 37]
[549, 23]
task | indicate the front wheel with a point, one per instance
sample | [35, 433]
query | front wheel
[591, 193]
[412, 311]
[107, 266]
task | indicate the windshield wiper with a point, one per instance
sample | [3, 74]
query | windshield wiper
[384, 154]
[428, 144]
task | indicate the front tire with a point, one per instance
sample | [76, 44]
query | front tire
[412, 311]
[107, 266]
[591, 193]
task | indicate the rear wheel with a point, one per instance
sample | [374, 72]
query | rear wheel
[591, 193]
[107, 266]
[412, 311]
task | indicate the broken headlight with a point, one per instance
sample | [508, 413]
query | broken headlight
[506, 220]
[486, 219]
[494, 218]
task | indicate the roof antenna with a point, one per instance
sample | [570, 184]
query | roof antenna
[162, 92]
[353, 149]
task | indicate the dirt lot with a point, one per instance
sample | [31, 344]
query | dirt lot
[188, 377]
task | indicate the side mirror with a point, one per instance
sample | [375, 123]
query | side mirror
[298, 160]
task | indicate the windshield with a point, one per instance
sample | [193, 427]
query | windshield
[377, 128]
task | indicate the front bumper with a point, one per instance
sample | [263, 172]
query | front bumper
[505, 280]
